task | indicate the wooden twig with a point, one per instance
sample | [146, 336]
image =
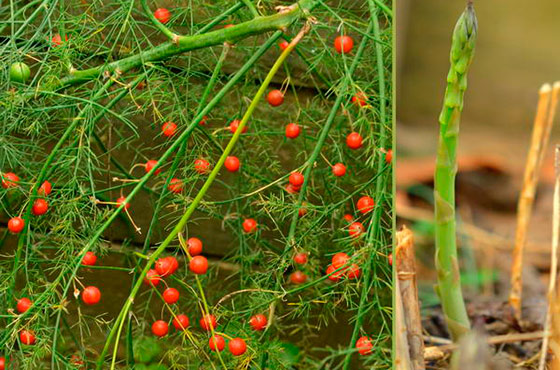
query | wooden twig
[554, 256]
[402, 353]
[539, 142]
[406, 275]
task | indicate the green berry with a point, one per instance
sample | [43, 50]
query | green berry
[19, 72]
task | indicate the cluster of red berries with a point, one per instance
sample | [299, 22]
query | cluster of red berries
[340, 266]
[40, 205]
[295, 181]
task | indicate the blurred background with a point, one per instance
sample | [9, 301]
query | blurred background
[516, 53]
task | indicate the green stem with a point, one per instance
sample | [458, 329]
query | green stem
[447, 265]
[183, 44]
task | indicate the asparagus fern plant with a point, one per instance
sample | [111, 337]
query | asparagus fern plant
[104, 79]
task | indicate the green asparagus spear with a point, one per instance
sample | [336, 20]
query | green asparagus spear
[449, 285]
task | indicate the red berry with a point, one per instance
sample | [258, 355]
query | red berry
[298, 277]
[354, 271]
[389, 156]
[166, 266]
[348, 218]
[174, 264]
[360, 99]
[292, 189]
[40, 207]
[169, 129]
[57, 39]
[235, 124]
[296, 179]
[364, 346]
[302, 211]
[198, 265]
[76, 360]
[249, 225]
[16, 224]
[163, 15]
[170, 295]
[2, 363]
[89, 259]
[208, 321]
[163, 266]
[151, 164]
[283, 44]
[237, 346]
[292, 130]
[201, 166]
[152, 278]
[121, 200]
[354, 140]
[27, 337]
[390, 258]
[194, 246]
[258, 322]
[356, 229]
[175, 186]
[203, 121]
[160, 328]
[228, 26]
[334, 277]
[300, 258]
[181, 322]
[9, 180]
[217, 342]
[91, 295]
[343, 44]
[365, 204]
[45, 188]
[339, 260]
[23, 304]
[339, 169]
[232, 164]
[275, 98]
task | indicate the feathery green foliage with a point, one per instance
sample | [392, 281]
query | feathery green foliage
[90, 116]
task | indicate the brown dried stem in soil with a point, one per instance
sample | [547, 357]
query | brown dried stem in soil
[554, 257]
[402, 355]
[541, 132]
[406, 275]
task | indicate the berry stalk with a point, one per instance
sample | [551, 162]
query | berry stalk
[447, 265]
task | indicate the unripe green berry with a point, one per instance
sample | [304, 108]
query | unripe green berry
[19, 72]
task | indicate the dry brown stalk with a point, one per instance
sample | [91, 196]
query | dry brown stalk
[406, 275]
[402, 354]
[554, 257]
[539, 141]
[555, 333]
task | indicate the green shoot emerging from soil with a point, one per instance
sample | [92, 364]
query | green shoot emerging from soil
[130, 113]
[447, 265]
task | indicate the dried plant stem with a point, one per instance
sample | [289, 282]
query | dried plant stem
[554, 256]
[539, 141]
[406, 276]
[447, 265]
[402, 353]
[555, 333]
